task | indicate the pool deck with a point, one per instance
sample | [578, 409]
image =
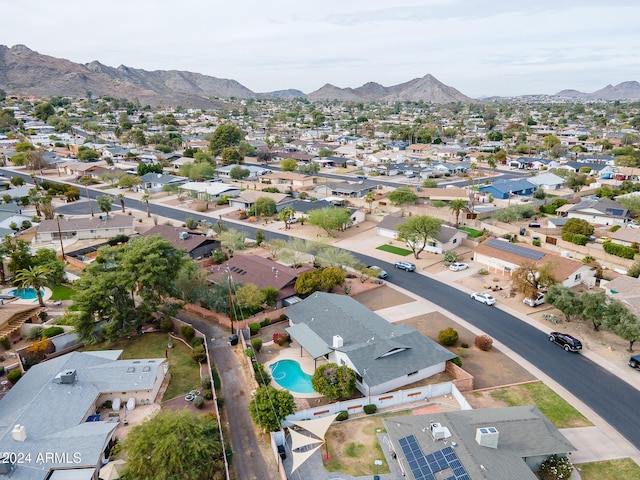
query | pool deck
[27, 301]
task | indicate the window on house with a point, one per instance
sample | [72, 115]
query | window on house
[412, 373]
[455, 240]
[577, 277]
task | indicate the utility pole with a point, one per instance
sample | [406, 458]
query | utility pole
[230, 303]
[86, 187]
[60, 236]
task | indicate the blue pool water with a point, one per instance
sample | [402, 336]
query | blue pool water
[26, 293]
[289, 375]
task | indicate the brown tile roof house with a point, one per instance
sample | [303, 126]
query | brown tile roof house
[195, 243]
[503, 257]
[260, 271]
[100, 226]
[446, 194]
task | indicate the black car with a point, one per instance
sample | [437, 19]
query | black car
[566, 341]
[282, 452]
[634, 362]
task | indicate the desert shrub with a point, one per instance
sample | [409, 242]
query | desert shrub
[280, 338]
[205, 382]
[457, 361]
[262, 376]
[5, 343]
[207, 394]
[35, 333]
[619, 250]
[198, 354]
[462, 352]
[369, 409]
[256, 343]
[52, 332]
[615, 228]
[187, 332]
[448, 336]
[266, 322]
[198, 402]
[576, 238]
[43, 316]
[484, 342]
[165, 325]
[250, 352]
[283, 317]
[464, 345]
[451, 256]
[536, 243]
[254, 328]
[483, 271]
[197, 341]
[342, 416]
[556, 467]
[14, 375]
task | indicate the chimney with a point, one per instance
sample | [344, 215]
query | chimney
[337, 341]
[487, 437]
[19, 433]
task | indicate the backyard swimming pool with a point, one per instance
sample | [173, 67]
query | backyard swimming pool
[289, 375]
[26, 293]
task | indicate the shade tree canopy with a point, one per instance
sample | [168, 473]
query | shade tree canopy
[269, 407]
[418, 230]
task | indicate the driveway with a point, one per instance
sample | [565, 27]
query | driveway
[248, 460]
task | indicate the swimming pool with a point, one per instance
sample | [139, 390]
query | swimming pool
[26, 293]
[289, 375]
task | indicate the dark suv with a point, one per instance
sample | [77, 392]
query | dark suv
[634, 362]
[566, 341]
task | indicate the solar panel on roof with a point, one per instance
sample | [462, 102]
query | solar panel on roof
[424, 467]
[515, 249]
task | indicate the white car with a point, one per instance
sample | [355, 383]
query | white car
[379, 270]
[456, 267]
[539, 300]
[483, 298]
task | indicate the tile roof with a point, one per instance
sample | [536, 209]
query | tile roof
[193, 239]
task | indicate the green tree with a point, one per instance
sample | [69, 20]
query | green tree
[579, 226]
[430, 183]
[594, 307]
[286, 214]
[225, 136]
[232, 240]
[333, 381]
[48, 258]
[456, 206]
[330, 218]
[136, 137]
[309, 169]
[329, 256]
[144, 168]
[34, 277]
[249, 296]
[264, 206]
[146, 197]
[152, 454]
[128, 181]
[239, 173]
[620, 320]
[289, 164]
[269, 407]
[19, 253]
[418, 230]
[104, 203]
[120, 197]
[565, 300]
[44, 110]
[87, 154]
[325, 152]
[402, 196]
[231, 155]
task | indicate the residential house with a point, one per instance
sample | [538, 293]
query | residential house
[67, 444]
[155, 182]
[11, 213]
[628, 173]
[448, 237]
[14, 315]
[624, 236]
[443, 194]
[210, 191]
[503, 189]
[292, 180]
[502, 257]
[600, 211]
[498, 443]
[195, 243]
[345, 189]
[547, 181]
[246, 199]
[262, 272]
[599, 169]
[626, 290]
[255, 171]
[384, 356]
[304, 207]
[99, 226]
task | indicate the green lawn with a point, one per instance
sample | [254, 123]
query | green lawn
[62, 292]
[473, 233]
[559, 412]
[397, 250]
[621, 469]
[185, 373]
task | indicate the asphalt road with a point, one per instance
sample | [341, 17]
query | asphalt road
[611, 398]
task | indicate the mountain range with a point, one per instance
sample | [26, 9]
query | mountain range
[26, 72]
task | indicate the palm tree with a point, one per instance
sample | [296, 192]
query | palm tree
[104, 203]
[145, 198]
[457, 206]
[35, 198]
[286, 214]
[36, 277]
[121, 197]
[4, 252]
[369, 198]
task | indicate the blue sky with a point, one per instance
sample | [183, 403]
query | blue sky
[505, 48]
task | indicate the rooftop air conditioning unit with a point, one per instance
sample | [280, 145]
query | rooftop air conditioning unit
[338, 341]
[487, 437]
[68, 377]
[19, 433]
[183, 235]
[438, 432]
